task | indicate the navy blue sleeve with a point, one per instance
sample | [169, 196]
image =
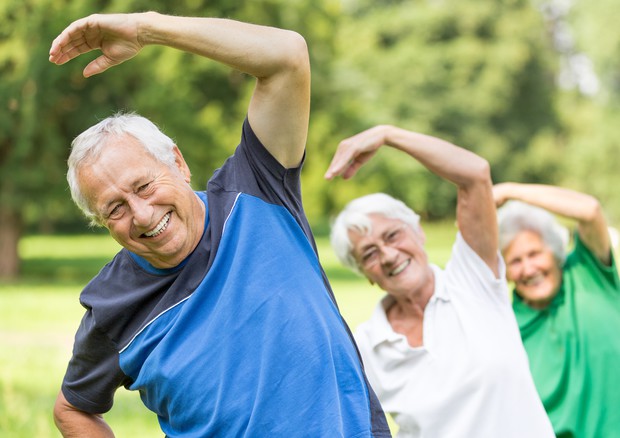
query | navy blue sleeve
[118, 302]
[254, 171]
[93, 374]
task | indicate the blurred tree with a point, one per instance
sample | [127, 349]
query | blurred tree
[596, 33]
[591, 161]
[31, 133]
[197, 102]
[594, 137]
[480, 74]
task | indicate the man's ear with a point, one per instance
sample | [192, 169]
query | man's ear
[372, 283]
[181, 164]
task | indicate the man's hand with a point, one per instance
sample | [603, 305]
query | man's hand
[115, 35]
[280, 106]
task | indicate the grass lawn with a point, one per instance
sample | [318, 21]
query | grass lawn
[40, 313]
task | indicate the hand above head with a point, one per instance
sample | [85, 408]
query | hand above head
[280, 105]
[353, 152]
[571, 204]
[501, 193]
[468, 171]
[115, 35]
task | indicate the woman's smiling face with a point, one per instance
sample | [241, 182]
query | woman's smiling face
[531, 265]
[392, 255]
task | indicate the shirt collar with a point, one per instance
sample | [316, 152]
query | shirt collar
[527, 316]
[144, 264]
[440, 292]
[381, 330]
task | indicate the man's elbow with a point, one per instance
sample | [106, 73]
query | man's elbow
[62, 413]
[72, 422]
[297, 57]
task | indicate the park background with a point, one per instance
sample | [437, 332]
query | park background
[533, 86]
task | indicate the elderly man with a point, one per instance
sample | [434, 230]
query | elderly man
[442, 348]
[217, 309]
[567, 304]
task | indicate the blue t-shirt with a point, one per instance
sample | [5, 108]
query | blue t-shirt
[244, 338]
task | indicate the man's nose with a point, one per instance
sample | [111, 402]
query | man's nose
[142, 212]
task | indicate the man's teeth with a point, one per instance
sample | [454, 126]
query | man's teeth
[400, 268]
[161, 226]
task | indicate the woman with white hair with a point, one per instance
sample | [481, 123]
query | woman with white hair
[442, 349]
[567, 305]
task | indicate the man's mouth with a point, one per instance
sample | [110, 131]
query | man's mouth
[161, 226]
[400, 268]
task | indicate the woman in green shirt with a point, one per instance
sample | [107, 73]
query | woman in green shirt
[567, 305]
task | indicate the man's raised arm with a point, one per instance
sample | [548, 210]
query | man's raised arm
[280, 105]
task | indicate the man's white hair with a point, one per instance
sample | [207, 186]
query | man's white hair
[87, 146]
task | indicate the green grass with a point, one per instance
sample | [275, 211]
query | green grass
[40, 313]
[38, 317]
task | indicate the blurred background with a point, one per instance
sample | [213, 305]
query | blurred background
[533, 86]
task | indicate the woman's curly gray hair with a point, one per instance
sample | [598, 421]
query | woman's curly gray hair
[355, 216]
[516, 216]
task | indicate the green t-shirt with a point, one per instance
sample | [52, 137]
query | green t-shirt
[574, 348]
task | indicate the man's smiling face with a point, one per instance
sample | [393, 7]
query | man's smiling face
[148, 207]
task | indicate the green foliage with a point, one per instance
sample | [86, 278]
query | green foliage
[477, 73]
[595, 26]
[593, 138]
[480, 74]
[592, 151]
[28, 90]
[197, 102]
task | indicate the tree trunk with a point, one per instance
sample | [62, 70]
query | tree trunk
[10, 232]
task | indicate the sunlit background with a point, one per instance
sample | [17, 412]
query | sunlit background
[532, 86]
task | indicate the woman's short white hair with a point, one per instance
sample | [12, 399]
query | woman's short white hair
[355, 216]
[516, 216]
[87, 146]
